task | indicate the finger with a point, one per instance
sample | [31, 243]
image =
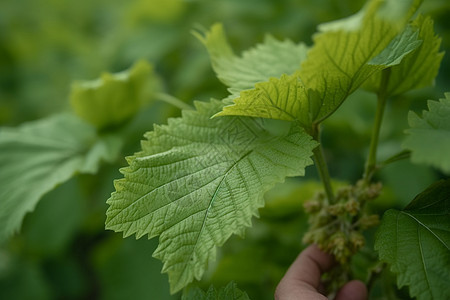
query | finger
[303, 277]
[353, 290]
[309, 266]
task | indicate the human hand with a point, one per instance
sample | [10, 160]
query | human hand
[302, 280]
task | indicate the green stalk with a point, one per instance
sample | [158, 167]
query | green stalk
[322, 167]
[371, 163]
[172, 100]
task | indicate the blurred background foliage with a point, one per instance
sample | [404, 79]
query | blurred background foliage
[63, 251]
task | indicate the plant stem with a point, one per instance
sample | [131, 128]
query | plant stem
[173, 101]
[321, 165]
[371, 163]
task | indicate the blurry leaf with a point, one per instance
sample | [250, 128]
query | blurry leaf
[403, 181]
[429, 136]
[385, 287]
[288, 197]
[416, 243]
[160, 11]
[356, 115]
[229, 292]
[140, 42]
[199, 180]
[62, 206]
[113, 98]
[344, 55]
[25, 281]
[251, 265]
[259, 262]
[37, 156]
[269, 59]
[419, 68]
[127, 271]
[67, 274]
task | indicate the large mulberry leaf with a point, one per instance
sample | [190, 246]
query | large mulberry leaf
[199, 180]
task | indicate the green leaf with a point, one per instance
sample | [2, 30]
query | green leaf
[403, 44]
[416, 243]
[60, 206]
[23, 279]
[419, 68]
[280, 99]
[269, 59]
[125, 271]
[113, 98]
[199, 180]
[429, 136]
[344, 55]
[37, 156]
[229, 292]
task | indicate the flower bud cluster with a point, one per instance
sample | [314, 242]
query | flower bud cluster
[337, 228]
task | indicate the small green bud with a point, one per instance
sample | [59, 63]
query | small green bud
[336, 209]
[322, 218]
[373, 191]
[369, 221]
[356, 240]
[319, 196]
[352, 206]
[344, 192]
[312, 206]
[338, 241]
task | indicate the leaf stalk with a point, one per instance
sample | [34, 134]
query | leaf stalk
[173, 101]
[322, 166]
[371, 164]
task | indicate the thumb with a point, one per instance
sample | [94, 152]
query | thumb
[352, 290]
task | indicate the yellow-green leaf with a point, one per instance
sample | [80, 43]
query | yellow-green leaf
[345, 53]
[113, 98]
[419, 68]
[272, 58]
